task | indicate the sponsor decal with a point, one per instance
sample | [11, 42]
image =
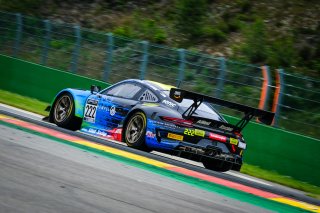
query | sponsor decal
[104, 108]
[92, 102]
[175, 136]
[112, 110]
[217, 137]
[242, 145]
[203, 122]
[101, 133]
[150, 134]
[167, 125]
[225, 128]
[169, 103]
[234, 141]
[199, 132]
[96, 132]
[93, 131]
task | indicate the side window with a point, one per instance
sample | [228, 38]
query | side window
[148, 96]
[125, 90]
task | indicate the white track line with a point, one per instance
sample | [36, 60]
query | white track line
[21, 110]
[239, 175]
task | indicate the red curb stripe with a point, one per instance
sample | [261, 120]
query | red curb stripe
[41, 129]
[223, 182]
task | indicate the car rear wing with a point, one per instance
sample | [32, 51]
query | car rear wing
[249, 112]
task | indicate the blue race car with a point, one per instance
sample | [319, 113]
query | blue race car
[148, 115]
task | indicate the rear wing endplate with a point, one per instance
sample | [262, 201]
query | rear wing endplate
[249, 112]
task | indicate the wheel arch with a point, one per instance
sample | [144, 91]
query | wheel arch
[79, 99]
[54, 102]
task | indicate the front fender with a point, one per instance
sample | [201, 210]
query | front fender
[79, 97]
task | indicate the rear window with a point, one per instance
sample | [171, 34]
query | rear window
[205, 110]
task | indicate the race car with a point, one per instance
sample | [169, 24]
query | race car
[148, 115]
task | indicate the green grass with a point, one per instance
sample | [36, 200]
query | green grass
[22, 102]
[311, 190]
[36, 106]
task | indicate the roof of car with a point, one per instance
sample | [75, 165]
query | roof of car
[159, 86]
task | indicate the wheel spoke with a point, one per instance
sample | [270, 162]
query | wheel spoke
[136, 124]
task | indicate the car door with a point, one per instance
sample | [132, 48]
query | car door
[107, 109]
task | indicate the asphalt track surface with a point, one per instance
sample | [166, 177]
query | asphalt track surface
[216, 204]
[41, 175]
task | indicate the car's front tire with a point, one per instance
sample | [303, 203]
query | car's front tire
[216, 165]
[63, 112]
[135, 131]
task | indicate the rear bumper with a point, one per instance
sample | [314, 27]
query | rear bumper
[194, 152]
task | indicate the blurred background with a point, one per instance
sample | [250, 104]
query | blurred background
[220, 47]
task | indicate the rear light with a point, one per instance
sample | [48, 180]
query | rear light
[217, 137]
[177, 121]
[233, 148]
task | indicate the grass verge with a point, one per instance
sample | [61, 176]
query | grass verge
[311, 190]
[23, 102]
[36, 106]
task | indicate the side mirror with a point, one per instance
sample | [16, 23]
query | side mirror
[95, 89]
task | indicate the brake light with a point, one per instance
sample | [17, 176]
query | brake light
[177, 121]
[238, 134]
[217, 137]
[233, 148]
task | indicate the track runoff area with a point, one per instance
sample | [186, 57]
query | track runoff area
[218, 183]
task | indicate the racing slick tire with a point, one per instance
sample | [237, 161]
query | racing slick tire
[62, 113]
[135, 131]
[216, 165]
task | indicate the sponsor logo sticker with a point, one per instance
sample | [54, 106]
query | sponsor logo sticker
[150, 134]
[217, 137]
[199, 132]
[169, 103]
[234, 141]
[242, 145]
[175, 136]
[225, 128]
[203, 122]
[112, 110]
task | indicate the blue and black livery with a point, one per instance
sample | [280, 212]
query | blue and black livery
[152, 116]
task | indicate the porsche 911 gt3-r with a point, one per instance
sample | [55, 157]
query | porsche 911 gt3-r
[148, 115]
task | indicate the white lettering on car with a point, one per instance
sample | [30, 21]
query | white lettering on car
[112, 110]
[203, 122]
[169, 103]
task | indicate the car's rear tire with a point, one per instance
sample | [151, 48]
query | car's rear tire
[63, 112]
[135, 131]
[216, 165]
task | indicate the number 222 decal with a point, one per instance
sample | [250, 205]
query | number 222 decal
[189, 132]
[90, 111]
[193, 132]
